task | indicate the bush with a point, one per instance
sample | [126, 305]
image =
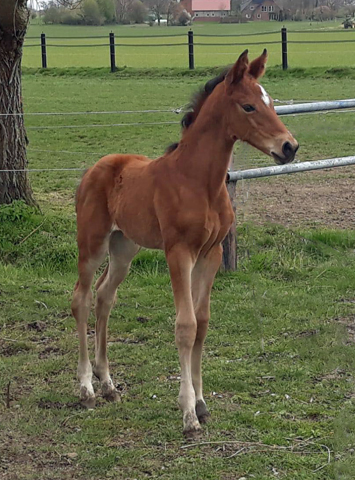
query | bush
[70, 18]
[184, 18]
[107, 10]
[52, 15]
[138, 12]
[91, 13]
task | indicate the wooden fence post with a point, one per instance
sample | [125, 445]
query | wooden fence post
[112, 52]
[229, 260]
[43, 50]
[284, 48]
[190, 37]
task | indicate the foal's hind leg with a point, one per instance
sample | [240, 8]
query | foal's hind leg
[81, 306]
[121, 252]
[203, 276]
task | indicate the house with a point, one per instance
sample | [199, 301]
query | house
[207, 10]
[261, 10]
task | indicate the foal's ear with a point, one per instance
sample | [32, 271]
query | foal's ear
[237, 72]
[258, 66]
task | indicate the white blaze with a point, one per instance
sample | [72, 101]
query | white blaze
[264, 96]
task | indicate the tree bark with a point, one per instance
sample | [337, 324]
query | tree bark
[14, 185]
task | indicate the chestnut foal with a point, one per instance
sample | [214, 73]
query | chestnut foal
[177, 203]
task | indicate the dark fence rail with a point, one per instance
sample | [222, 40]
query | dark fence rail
[190, 43]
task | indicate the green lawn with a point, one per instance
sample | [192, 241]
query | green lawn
[307, 55]
[320, 136]
[279, 358]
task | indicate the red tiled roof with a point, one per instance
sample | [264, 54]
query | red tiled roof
[206, 5]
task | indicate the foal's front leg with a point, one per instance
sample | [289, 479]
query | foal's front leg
[203, 276]
[180, 263]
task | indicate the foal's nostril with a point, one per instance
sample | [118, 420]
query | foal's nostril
[288, 149]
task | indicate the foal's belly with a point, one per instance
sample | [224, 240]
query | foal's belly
[141, 228]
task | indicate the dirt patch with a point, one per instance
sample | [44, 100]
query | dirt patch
[37, 326]
[49, 405]
[349, 323]
[50, 351]
[10, 347]
[24, 458]
[323, 198]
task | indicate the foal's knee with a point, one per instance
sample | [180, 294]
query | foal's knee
[81, 300]
[185, 334]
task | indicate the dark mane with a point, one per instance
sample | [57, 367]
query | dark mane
[196, 103]
[200, 97]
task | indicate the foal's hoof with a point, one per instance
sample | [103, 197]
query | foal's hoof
[87, 399]
[192, 428]
[201, 411]
[193, 433]
[110, 393]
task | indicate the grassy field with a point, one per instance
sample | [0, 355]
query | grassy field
[307, 55]
[279, 359]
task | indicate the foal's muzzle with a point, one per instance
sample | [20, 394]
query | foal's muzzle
[288, 153]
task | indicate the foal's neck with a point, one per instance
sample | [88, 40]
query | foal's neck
[206, 148]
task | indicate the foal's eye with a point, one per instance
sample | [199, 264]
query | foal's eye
[248, 108]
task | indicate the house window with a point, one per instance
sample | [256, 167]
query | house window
[212, 14]
[247, 15]
[252, 7]
[259, 15]
[196, 14]
[263, 8]
[207, 14]
[271, 8]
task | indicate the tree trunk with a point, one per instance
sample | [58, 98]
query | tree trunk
[14, 185]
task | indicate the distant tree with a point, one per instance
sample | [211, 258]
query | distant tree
[138, 12]
[172, 9]
[184, 18]
[158, 7]
[107, 10]
[236, 6]
[52, 14]
[123, 8]
[176, 14]
[90, 12]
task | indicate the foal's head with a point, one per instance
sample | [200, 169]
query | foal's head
[251, 114]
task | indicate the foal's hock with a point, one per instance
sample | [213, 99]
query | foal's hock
[178, 203]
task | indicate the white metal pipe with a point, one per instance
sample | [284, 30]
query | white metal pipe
[315, 106]
[290, 168]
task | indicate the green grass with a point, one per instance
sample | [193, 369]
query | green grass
[278, 362]
[320, 136]
[300, 55]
